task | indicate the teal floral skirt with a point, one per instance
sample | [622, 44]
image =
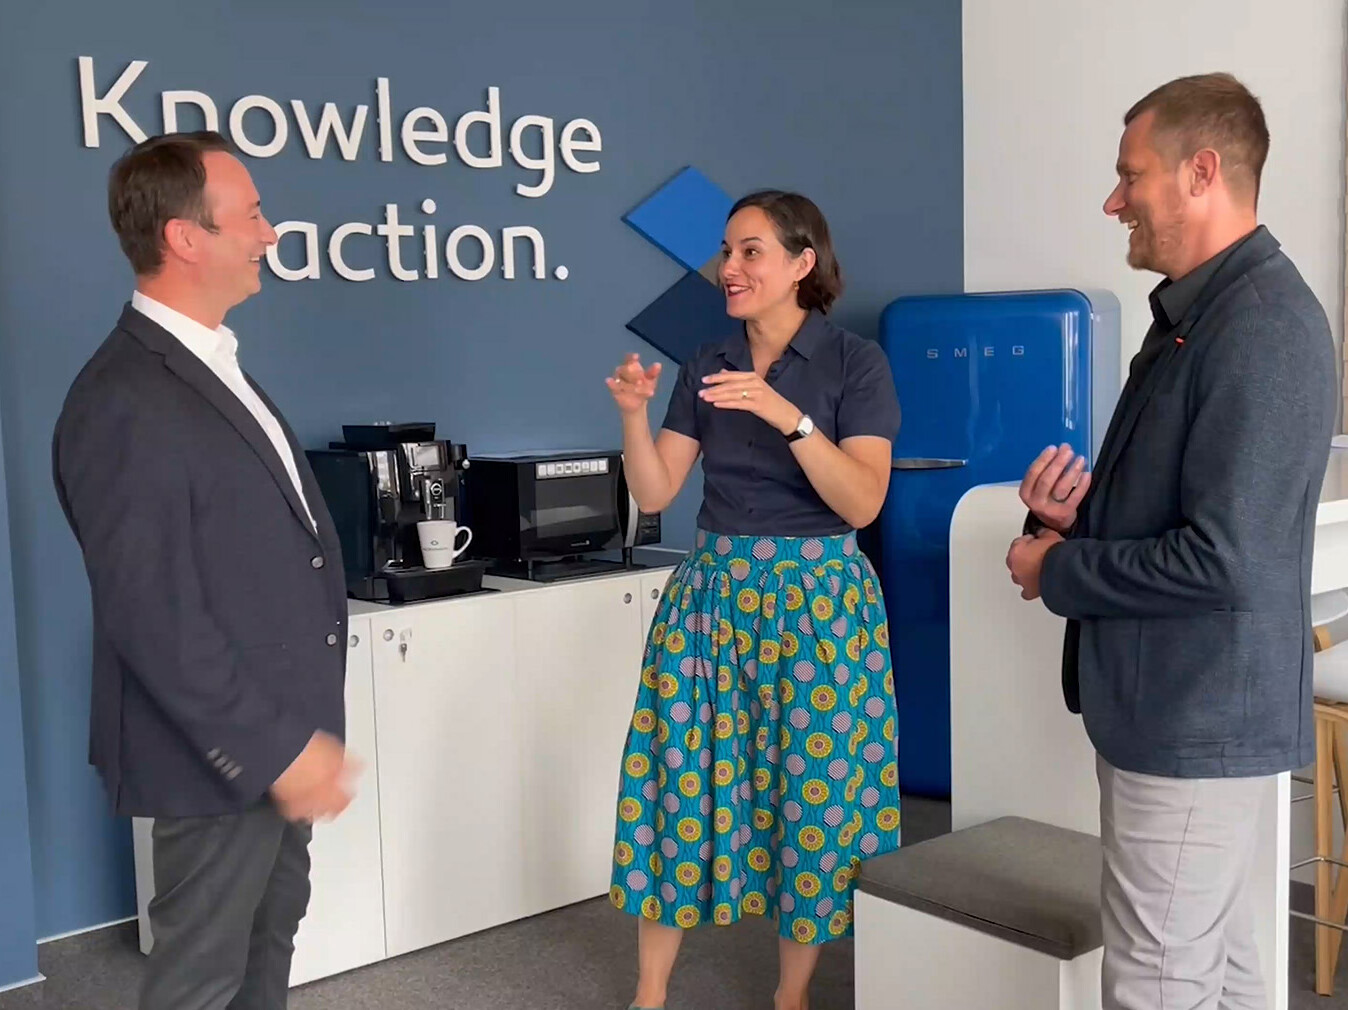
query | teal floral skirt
[761, 766]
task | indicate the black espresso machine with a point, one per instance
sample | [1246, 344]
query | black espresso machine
[379, 482]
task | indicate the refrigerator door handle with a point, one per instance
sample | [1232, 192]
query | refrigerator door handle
[924, 463]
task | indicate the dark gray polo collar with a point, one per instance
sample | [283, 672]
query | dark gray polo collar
[811, 334]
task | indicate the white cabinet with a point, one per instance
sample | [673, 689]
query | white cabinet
[491, 730]
[579, 653]
[449, 777]
[344, 926]
[501, 725]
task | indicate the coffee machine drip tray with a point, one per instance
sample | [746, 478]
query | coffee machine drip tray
[416, 584]
[561, 569]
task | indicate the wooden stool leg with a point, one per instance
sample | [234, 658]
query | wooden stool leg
[1324, 846]
[1320, 639]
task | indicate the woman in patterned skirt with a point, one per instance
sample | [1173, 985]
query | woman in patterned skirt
[761, 763]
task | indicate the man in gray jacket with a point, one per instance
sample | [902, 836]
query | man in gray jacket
[1183, 563]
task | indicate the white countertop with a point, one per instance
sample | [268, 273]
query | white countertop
[504, 586]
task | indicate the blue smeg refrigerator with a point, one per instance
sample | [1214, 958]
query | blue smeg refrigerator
[985, 383]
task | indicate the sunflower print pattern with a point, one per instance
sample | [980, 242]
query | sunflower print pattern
[761, 764]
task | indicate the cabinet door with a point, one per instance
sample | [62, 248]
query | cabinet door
[446, 704]
[652, 585]
[579, 664]
[344, 926]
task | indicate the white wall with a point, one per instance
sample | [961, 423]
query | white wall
[1046, 84]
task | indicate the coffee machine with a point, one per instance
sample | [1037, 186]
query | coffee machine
[379, 482]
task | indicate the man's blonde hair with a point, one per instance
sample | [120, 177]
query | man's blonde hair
[1211, 111]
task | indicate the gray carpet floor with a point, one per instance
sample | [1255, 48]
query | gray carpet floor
[577, 958]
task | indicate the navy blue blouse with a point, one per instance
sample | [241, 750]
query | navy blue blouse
[752, 484]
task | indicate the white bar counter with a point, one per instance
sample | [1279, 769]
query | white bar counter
[1015, 747]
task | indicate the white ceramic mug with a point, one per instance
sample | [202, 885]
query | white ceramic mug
[439, 546]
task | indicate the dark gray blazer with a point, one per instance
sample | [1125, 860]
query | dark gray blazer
[219, 616]
[1186, 583]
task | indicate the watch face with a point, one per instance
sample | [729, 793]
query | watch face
[806, 425]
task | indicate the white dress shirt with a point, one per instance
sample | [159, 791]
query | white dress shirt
[218, 349]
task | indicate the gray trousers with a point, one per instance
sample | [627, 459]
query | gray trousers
[1178, 925]
[229, 895]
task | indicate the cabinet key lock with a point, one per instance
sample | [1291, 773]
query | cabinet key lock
[403, 637]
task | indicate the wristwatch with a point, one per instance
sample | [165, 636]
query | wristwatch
[803, 427]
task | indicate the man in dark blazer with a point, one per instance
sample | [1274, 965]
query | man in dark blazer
[216, 578]
[1183, 563]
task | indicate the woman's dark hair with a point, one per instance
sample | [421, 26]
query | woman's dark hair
[801, 226]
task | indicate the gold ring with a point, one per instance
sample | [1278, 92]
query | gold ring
[744, 394]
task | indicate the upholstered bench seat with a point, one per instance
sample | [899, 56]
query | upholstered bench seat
[1004, 914]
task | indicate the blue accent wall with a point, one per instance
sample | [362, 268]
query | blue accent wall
[18, 948]
[858, 106]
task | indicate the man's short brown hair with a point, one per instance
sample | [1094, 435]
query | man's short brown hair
[159, 179]
[1211, 111]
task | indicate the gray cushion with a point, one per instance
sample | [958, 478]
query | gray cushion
[1029, 883]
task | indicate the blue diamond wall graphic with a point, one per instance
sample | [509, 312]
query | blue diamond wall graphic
[685, 219]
